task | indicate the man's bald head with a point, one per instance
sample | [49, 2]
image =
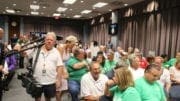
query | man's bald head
[1, 33]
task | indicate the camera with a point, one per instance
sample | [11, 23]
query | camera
[25, 76]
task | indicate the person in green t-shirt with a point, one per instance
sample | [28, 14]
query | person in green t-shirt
[76, 67]
[110, 63]
[124, 86]
[172, 61]
[148, 87]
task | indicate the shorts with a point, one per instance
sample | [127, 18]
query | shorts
[48, 90]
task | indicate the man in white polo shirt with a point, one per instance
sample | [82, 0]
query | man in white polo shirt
[48, 68]
[93, 83]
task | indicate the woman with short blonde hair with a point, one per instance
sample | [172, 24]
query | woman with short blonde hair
[124, 86]
[124, 78]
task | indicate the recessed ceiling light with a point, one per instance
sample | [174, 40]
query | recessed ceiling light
[125, 4]
[61, 9]
[34, 2]
[34, 13]
[77, 16]
[69, 1]
[34, 7]
[82, 1]
[18, 11]
[99, 4]
[70, 9]
[56, 14]
[10, 11]
[44, 6]
[110, 10]
[14, 4]
[86, 11]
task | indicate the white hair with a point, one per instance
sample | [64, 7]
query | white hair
[51, 34]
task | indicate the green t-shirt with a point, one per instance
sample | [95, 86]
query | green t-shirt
[171, 62]
[75, 74]
[130, 94]
[108, 66]
[166, 65]
[149, 92]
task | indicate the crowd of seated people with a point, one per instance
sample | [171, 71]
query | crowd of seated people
[95, 73]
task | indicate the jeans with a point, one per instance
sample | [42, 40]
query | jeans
[74, 89]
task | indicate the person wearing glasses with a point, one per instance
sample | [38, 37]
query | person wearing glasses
[148, 87]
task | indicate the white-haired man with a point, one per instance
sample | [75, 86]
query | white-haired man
[48, 68]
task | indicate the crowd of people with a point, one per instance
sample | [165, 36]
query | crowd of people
[93, 72]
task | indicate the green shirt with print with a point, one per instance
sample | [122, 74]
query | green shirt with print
[130, 94]
[149, 91]
[75, 74]
[108, 66]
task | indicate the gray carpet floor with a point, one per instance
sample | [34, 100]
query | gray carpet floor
[17, 92]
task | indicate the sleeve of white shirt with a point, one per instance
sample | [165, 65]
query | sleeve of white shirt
[84, 86]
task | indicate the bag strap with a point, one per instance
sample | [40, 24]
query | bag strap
[35, 61]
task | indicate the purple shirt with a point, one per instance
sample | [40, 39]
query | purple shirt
[11, 62]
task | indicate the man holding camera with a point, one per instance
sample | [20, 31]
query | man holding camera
[48, 68]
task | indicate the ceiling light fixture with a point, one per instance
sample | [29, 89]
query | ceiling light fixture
[56, 14]
[69, 1]
[86, 11]
[34, 2]
[82, 1]
[125, 4]
[14, 4]
[10, 11]
[77, 16]
[61, 9]
[35, 13]
[18, 11]
[34, 7]
[99, 4]
[44, 6]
